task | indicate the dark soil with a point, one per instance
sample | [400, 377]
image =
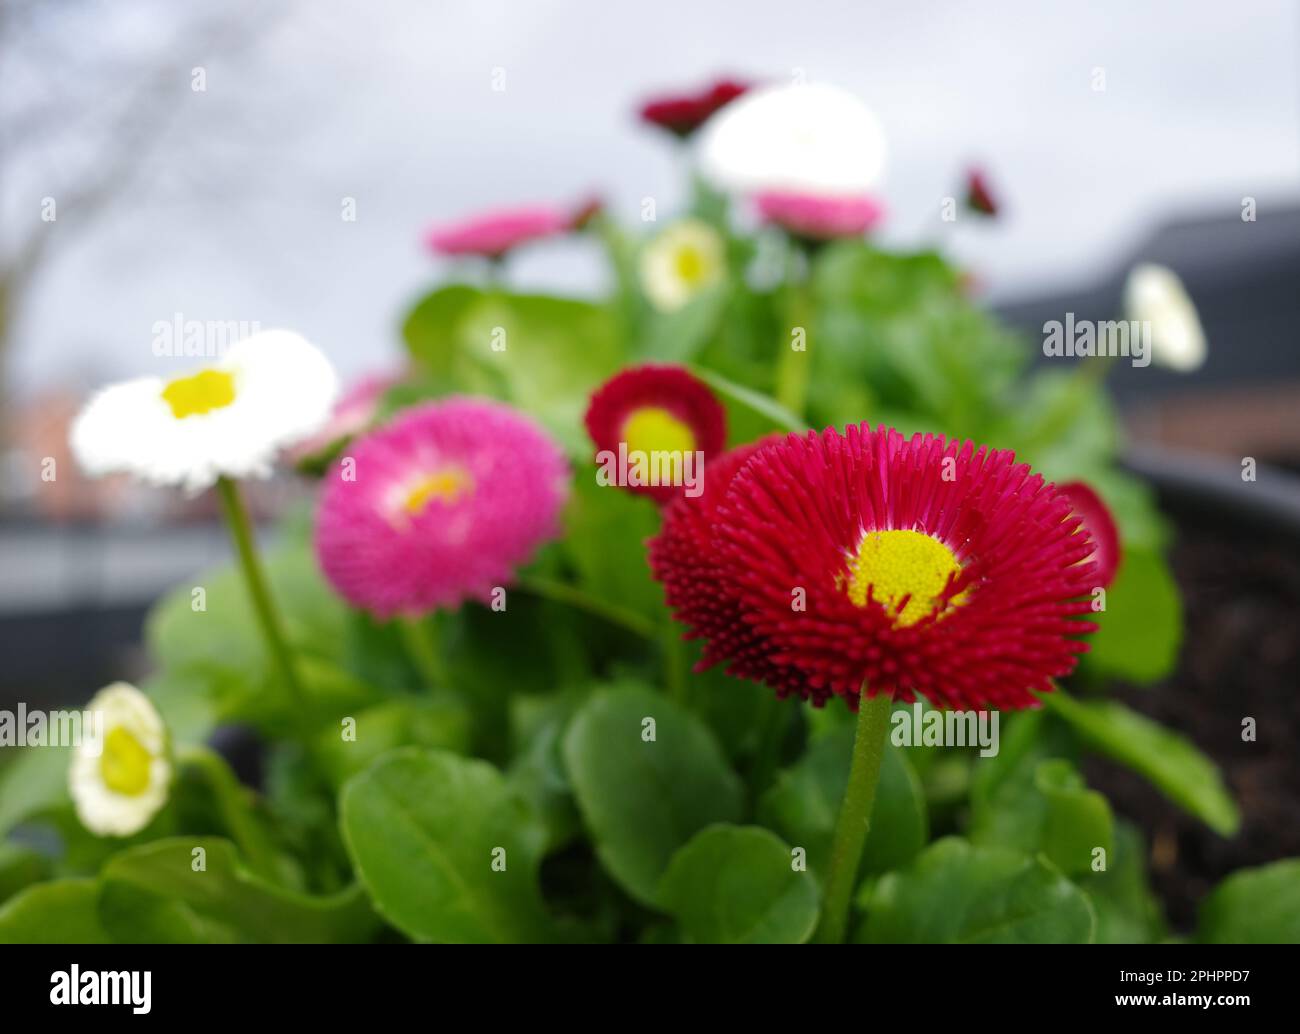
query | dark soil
[1240, 658]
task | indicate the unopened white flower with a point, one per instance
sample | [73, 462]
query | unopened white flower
[270, 390]
[808, 139]
[685, 259]
[1155, 295]
[119, 778]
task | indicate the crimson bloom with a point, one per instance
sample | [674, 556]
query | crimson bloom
[683, 114]
[978, 196]
[1099, 523]
[439, 506]
[835, 561]
[653, 418]
[820, 218]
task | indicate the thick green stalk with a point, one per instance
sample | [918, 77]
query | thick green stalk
[792, 363]
[855, 815]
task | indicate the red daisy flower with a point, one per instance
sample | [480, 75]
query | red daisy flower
[1098, 522]
[656, 423]
[683, 114]
[682, 557]
[917, 565]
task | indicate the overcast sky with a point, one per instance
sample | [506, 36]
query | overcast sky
[238, 214]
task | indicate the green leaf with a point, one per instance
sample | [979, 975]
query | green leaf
[218, 655]
[547, 650]
[642, 799]
[895, 332]
[736, 885]
[1142, 625]
[545, 355]
[774, 416]
[1028, 800]
[424, 829]
[155, 893]
[1180, 771]
[604, 537]
[1077, 821]
[537, 725]
[1254, 906]
[676, 337]
[440, 722]
[224, 635]
[434, 329]
[59, 912]
[32, 780]
[20, 867]
[1063, 424]
[1127, 910]
[804, 803]
[955, 893]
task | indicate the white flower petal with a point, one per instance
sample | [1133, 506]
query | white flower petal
[662, 279]
[284, 391]
[812, 139]
[102, 810]
[1154, 294]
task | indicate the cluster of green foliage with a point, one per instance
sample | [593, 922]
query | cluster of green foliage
[513, 795]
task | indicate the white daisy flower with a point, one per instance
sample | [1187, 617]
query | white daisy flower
[1154, 294]
[808, 139]
[270, 390]
[119, 783]
[685, 259]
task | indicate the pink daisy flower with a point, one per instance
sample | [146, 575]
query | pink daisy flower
[492, 234]
[820, 218]
[444, 503]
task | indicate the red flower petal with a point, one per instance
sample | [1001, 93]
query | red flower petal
[1096, 518]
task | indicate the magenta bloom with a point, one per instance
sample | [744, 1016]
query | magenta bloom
[438, 507]
[820, 218]
[492, 234]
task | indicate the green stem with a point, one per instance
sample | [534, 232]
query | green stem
[792, 365]
[230, 798]
[855, 814]
[571, 595]
[268, 619]
[418, 636]
[674, 662]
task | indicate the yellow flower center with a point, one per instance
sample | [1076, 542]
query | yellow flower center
[446, 485]
[125, 763]
[200, 393]
[653, 429]
[692, 267]
[891, 565]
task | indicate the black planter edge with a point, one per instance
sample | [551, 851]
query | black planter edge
[1213, 488]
